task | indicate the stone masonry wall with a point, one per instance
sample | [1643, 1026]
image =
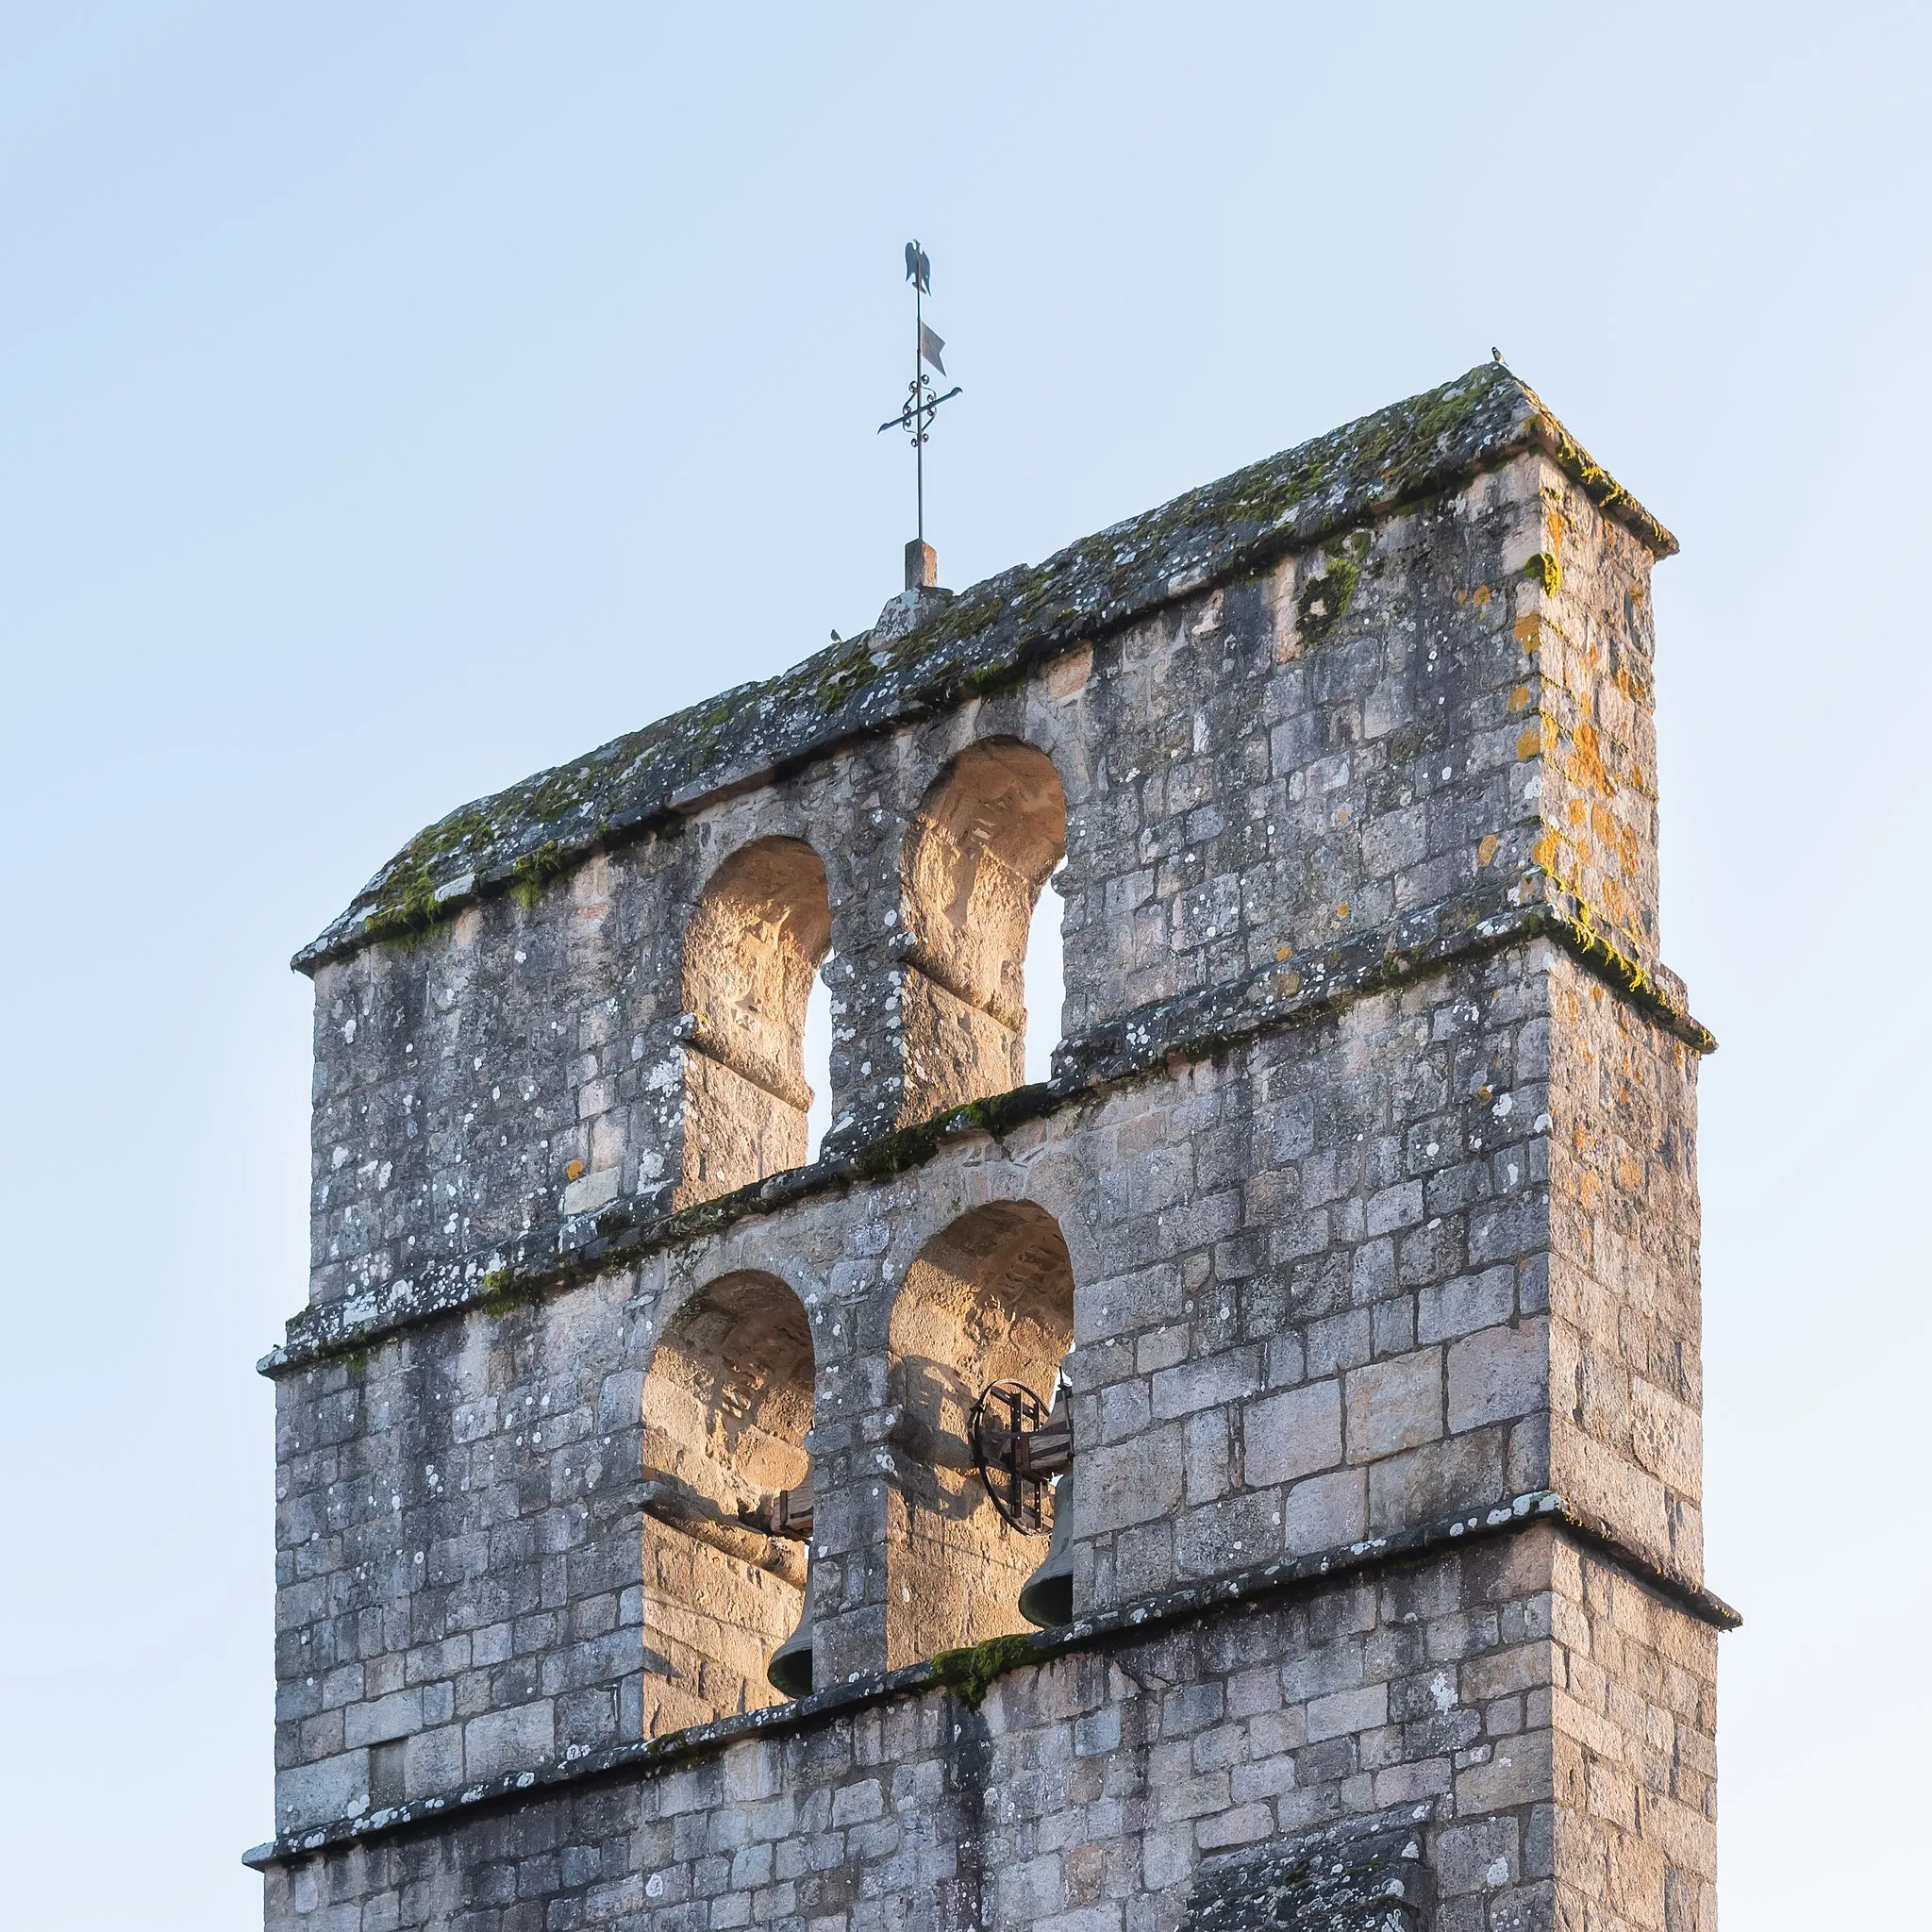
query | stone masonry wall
[1627, 1350]
[1311, 1305]
[1633, 1705]
[1370, 1140]
[483, 1097]
[460, 1555]
[1283, 770]
[1535, 1729]
[1250, 778]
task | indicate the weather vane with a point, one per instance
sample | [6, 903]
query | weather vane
[922, 398]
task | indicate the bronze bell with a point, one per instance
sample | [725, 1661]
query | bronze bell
[1047, 1598]
[789, 1669]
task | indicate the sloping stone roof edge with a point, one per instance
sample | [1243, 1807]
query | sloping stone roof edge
[990, 636]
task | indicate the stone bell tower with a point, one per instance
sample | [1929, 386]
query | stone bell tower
[651, 1553]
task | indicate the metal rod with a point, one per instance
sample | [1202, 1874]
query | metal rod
[918, 397]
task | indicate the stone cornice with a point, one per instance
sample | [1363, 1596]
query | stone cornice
[970, 1674]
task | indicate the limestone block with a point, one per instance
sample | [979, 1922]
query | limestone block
[1294, 1434]
[953, 1052]
[1394, 1405]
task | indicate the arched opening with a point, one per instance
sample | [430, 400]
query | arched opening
[751, 954]
[726, 1406]
[1046, 980]
[990, 1298]
[818, 1061]
[990, 833]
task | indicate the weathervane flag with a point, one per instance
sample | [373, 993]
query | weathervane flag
[923, 398]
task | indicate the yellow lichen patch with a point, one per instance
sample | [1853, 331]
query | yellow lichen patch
[1576, 810]
[1531, 742]
[1519, 697]
[1342, 911]
[1629, 1176]
[1530, 627]
[1587, 766]
[1480, 595]
[1284, 951]
[574, 1171]
[1618, 907]
[1486, 848]
[1543, 852]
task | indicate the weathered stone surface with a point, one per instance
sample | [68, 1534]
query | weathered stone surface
[1401, 454]
[1364, 1876]
[1357, 1223]
[1287, 1758]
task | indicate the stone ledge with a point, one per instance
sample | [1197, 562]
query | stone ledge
[1299, 990]
[968, 1675]
[1139, 1043]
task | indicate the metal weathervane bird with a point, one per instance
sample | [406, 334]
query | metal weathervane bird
[922, 398]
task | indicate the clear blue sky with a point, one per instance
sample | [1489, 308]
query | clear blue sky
[395, 399]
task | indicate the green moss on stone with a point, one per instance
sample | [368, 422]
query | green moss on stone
[505, 1292]
[1325, 600]
[535, 869]
[996, 679]
[847, 675]
[969, 1675]
[407, 907]
[913, 1147]
[408, 912]
[1543, 568]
